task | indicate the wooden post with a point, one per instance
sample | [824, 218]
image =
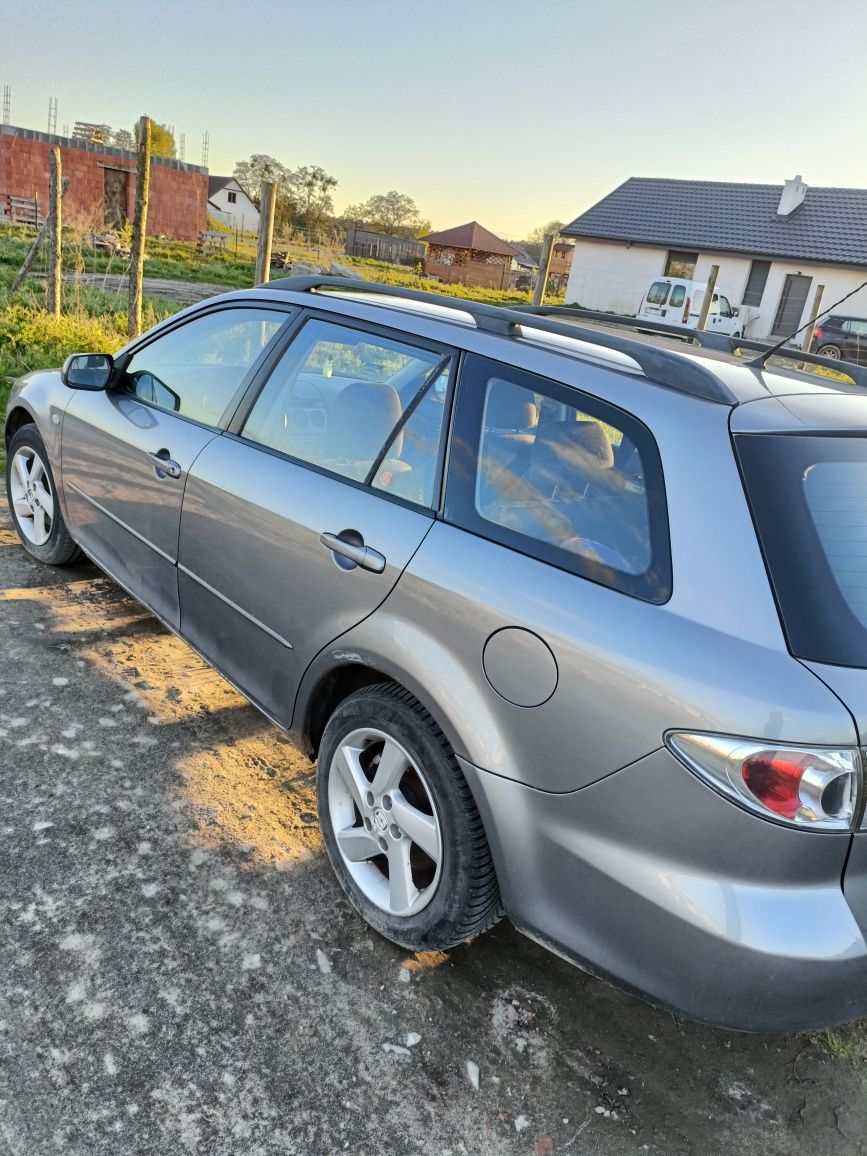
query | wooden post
[814, 313]
[139, 225]
[55, 185]
[34, 248]
[267, 204]
[544, 267]
[708, 296]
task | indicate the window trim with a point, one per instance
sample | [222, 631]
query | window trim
[655, 584]
[122, 362]
[255, 387]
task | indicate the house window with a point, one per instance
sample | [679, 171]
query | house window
[756, 282]
[681, 264]
[233, 197]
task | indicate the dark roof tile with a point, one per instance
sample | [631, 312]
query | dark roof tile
[830, 225]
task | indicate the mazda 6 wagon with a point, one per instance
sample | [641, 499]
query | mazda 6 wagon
[575, 623]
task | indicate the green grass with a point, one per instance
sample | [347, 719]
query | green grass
[848, 1042]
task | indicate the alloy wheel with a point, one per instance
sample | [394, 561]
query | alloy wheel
[32, 496]
[385, 822]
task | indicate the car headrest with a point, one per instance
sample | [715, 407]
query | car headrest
[363, 415]
[569, 453]
[509, 406]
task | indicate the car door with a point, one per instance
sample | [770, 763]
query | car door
[126, 452]
[726, 320]
[298, 522]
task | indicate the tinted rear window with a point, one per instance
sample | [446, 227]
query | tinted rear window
[657, 294]
[809, 500]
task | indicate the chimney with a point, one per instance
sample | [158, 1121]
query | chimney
[794, 192]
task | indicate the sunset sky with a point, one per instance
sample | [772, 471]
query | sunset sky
[511, 114]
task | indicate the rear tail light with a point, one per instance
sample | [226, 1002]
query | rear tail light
[817, 788]
[685, 317]
[817, 333]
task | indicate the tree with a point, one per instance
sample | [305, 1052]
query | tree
[311, 189]
[162, 140]
[260, 167]
[304, 195]
[122, 138]
[391, 212]
[536, 238]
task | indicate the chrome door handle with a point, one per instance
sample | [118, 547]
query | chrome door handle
[163, 464]
[358, 554]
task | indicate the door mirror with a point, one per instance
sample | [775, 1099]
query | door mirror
[87, 371]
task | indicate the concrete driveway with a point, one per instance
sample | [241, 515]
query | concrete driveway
[180, 973]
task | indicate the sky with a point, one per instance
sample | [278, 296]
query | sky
[509, 112]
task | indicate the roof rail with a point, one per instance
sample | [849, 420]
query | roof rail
[664, 367]
[718, 342]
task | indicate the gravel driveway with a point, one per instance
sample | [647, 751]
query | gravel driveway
[181, 973]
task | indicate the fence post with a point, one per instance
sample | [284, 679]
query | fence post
[139, 225]
[34, 248]
[708, 296]
[814, 313]
[544, 267]
[267, 203]
[55, 184]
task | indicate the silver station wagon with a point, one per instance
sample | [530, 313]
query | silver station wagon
[575, 622]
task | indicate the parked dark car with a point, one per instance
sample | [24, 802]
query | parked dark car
[842, 337]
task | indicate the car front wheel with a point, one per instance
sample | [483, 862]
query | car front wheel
[401, 828]
[33, 502]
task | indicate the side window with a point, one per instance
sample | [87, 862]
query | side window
[559, 475]
[196, 369]
[359, 404]
[678, 296]
[724, 307]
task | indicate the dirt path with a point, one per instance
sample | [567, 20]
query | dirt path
[181, 973]
[184, 292]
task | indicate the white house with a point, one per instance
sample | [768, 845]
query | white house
[228, 202]
[774, 244]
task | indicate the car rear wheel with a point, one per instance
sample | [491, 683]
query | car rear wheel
[832, 351]
[401, 828]
[33, 502]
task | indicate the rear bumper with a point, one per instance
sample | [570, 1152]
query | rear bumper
[651, 880]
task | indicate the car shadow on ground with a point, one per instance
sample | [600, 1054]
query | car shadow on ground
[186, 975]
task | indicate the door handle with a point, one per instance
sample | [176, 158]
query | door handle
[163, 464]
[355, 552]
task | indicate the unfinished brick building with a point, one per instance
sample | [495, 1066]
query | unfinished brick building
[102, 183]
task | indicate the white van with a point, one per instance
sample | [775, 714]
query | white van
[676, 301]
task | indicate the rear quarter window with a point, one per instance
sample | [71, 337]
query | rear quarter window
[559, 475]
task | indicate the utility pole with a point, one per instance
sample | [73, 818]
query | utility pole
[267, 204]
[139, 225]
[814, 313]
[708, 296]
[55, 185]
[544, 268]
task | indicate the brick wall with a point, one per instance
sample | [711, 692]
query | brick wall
[178, 196]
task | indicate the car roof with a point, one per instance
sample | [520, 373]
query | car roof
[668, 357]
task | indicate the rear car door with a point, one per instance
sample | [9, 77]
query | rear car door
[126, 452]
[300, 519]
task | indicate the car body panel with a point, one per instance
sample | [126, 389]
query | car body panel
[622, 664]
[121, 508]
[257, 580]
[700, 907]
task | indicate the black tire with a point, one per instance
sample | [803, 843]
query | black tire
[832, 351]
[466, 899]
[59, 549]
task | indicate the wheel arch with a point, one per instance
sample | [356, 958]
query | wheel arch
[16, 419]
